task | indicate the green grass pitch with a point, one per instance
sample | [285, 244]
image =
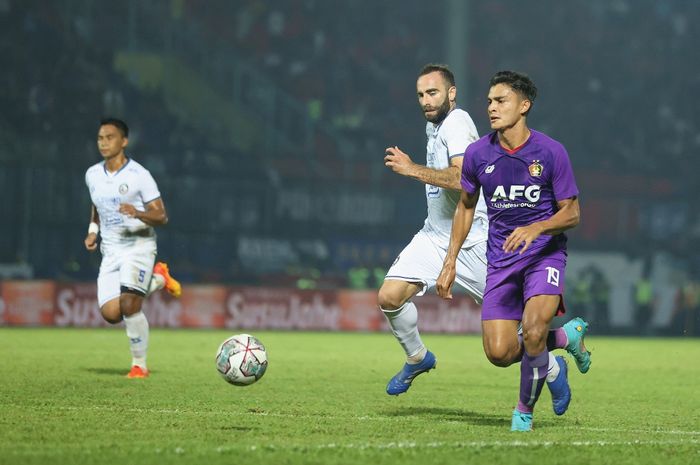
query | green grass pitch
[64, 400]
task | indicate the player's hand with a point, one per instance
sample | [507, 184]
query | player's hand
[91, 242]
[128, 210]
[398, 161]
[522, 236]
[445, 281]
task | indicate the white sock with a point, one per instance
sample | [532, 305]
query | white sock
[552, 369]
[404, 325]
[157, 283]
[137, 332]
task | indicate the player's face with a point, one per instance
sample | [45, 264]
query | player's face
[435, 96]
[506, 107]
[110, 141]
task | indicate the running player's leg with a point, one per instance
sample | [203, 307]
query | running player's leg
[394, 299]
[538, 364]
[501, 313]
[137, 330]
[135, 279]
[502, 345]
[108, 290]
[162, 279]
[409, 276]
[543, 286]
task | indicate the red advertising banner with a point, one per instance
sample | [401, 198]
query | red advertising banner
[203, 306]
[360, 311]
[271, 308]
[237, 308]
[76, 305]
[459, 315]
[28, 303]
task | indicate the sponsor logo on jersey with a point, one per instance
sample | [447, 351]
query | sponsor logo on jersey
[535, 168]
[518, 196]
[489, 169]
[123, 189]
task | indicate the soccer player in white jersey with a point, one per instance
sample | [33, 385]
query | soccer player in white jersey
[449, 131]
[126, 205]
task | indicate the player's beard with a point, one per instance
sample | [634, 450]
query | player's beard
[441, 113]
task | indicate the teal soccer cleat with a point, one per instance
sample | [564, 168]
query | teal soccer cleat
[403, 379]
[521, 421]
[561, 393]
[575, 331]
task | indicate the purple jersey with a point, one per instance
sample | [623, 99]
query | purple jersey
[520, 189]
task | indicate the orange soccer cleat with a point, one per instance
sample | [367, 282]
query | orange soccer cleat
[137, 372]
[171, 284]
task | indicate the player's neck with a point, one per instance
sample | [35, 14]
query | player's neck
[115, 163]
[514, 137]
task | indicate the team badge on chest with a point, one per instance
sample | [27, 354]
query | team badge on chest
[124, 188]
[535, 168]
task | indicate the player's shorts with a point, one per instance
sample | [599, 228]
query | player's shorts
[421, 262]
[130, 267]
[509, 288]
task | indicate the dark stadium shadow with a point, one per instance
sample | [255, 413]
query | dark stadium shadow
[109, 371]
[460, 415]
[236, 428]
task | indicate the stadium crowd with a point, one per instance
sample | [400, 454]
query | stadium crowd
[617, 96]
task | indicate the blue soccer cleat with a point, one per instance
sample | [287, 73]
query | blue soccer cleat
[561, 393]
[521, 421]
[575, 331]
[403, 379]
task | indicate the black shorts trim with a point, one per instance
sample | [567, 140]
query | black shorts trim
[131, 290]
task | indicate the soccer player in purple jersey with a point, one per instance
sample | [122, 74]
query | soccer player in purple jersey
[532, 198]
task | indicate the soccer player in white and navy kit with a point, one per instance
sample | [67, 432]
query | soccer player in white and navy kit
[126, 205]
[449, 131]
[528, 183]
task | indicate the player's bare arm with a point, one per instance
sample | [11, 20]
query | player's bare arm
[91, 238]
[567, 217]
[401, 163]
[461, 224]
[154, 215]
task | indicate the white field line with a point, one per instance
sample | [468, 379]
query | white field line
[467, 445]
[386, 446]
[331, 417]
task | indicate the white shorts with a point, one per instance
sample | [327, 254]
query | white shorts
[421, 262]
[131, 267]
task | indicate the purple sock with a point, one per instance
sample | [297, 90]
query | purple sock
[533, 373]
[556, 339]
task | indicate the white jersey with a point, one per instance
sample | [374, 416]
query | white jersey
[132, 184]
[447, 140]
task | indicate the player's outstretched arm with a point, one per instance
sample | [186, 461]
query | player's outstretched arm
[401, 163]
[567, 217]
[154, 215]
[461, 224]
[93, 229]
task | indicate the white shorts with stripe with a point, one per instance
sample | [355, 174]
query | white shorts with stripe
[130, 266]
[421, 262]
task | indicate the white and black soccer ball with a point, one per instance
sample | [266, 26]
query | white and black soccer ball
[241, 360]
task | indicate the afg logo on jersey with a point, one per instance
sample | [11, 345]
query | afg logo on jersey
[518, 196]
[123, 189]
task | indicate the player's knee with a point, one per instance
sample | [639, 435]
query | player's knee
[535, 334]
[111, 314]
[501, 355]
[130, 304]
[389, 300]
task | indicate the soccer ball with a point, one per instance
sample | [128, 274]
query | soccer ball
[241, 360]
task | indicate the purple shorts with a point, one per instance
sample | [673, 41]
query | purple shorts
[507, 289]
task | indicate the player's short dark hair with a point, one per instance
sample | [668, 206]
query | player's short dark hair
[519, 82]
[442, 69]
[117, 123]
